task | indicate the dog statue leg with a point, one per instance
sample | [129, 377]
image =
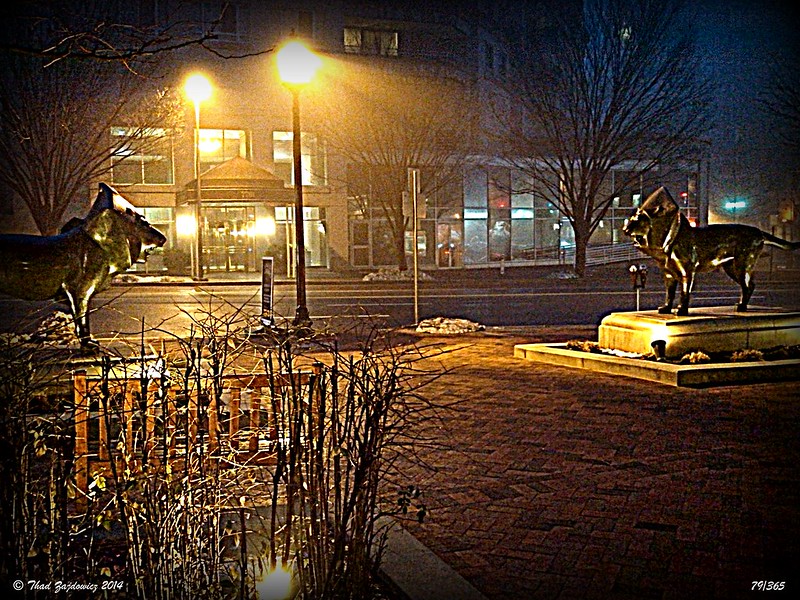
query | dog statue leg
[82, 325]
[743, 275]
[748, 285]
[687, 281]
[80, 315]
[671, 285]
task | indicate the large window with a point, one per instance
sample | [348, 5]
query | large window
[141, 158]
[313, 162]
[218, 145]
[380, 42]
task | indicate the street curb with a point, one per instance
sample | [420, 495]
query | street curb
[417, 573]
[678, 375]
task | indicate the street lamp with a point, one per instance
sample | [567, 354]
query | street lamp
[198, 89]
[296, 67]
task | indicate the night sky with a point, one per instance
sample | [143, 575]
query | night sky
[738, 40]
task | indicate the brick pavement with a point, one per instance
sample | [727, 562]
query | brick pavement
[548, 482]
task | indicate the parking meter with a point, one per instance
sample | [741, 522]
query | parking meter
[643, 275]
[638, 275]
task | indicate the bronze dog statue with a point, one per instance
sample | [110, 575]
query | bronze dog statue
[659, 229]
[79, 261]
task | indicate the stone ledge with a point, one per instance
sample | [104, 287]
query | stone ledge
[710, 329]
[701, 375]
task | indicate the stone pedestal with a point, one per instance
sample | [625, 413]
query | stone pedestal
[710, 330]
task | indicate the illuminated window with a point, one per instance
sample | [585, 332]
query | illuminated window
[142, 156]
[377, 42]
[314, 158]
[219, 145]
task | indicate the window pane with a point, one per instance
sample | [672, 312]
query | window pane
[521, 237]
[128, 170]
[389, 43]
[475, 246]
[500, 240]
[157, 169]
[352, 40]
[361, 257]
[360, 233]
[499, 188]
[145, 156]
[313, 158]
[383, 245]
[475, 189]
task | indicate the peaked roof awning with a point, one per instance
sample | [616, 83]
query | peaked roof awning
[238, 180]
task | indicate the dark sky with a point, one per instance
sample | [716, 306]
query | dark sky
[739, 40]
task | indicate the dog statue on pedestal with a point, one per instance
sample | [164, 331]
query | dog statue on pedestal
[79, 261]
[659, 229]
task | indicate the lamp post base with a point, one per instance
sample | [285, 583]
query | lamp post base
[301, 317]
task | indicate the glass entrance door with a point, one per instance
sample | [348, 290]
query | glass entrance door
[229, 239]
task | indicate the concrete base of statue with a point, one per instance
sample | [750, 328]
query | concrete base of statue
[710, 330]
[647, 345]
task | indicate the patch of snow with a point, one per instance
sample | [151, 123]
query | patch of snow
[621, 353]
[448, 326]
[395, 274]
[563, 275]
[131, 278]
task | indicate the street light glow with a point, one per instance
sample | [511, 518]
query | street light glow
[296, 63]
[197, 88]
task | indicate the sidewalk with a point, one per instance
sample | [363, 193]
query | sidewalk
[550, 483]
[612, 274]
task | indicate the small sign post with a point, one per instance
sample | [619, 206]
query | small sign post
[267, 265]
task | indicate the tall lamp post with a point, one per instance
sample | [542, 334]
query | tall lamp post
[198, 89]
[296, 67]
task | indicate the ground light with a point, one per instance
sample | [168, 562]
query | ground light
[276, 584]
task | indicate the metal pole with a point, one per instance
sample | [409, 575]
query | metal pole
[301, 316]
[414, 174]
[198, 204]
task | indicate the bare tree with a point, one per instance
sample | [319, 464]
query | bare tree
[382, 122]
[56, 129]
[620, 84]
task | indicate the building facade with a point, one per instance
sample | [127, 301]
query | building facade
[484, 217]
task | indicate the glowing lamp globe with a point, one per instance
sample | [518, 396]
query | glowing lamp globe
[198, 88]
[296, 63]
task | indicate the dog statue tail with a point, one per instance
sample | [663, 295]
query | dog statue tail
[771, 240]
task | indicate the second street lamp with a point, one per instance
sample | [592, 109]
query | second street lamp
[198, 89]
[296, 67]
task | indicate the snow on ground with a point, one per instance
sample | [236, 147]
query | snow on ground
[448, 326]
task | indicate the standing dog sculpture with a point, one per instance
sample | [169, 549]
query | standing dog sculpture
[659, 229]
[79, 261]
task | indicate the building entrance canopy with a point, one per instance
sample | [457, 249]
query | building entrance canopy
[238, 180]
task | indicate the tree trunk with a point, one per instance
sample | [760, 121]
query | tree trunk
[400, 246]
[581, 242]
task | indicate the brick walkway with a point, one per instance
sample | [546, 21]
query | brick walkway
[556, 483]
